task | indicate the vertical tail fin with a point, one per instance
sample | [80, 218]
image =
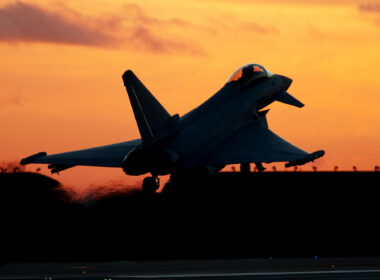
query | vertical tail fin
[149, 113]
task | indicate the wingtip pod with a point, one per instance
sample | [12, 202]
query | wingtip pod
[306, 159]
[32, 158]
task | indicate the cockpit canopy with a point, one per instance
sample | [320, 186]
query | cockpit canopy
[250, 72]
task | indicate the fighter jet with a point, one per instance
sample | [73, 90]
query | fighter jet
[229, 128]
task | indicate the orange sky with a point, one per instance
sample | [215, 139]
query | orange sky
[62, 61]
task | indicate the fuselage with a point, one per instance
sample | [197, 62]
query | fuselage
[201, 130]
[229, 128]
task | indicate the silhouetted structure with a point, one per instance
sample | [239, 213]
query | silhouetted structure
[260, 166]
[234, 215]
[245, 168]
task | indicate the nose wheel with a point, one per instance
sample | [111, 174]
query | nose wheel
[150, 185]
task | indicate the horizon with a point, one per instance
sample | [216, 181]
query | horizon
[61, 86]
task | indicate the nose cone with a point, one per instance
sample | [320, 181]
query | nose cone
[285, 81]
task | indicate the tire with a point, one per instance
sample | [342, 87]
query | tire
[149, 185]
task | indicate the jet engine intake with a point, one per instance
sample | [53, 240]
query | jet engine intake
[142, 161]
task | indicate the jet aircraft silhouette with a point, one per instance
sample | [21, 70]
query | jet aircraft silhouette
[229, 128]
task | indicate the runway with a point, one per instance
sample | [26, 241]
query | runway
[329, 268]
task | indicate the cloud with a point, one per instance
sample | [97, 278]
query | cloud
[151, 33]
[29, 23]
[255, 27]
[370, 11]
[137, 15]
[133, 29]
[369, 8]
[228, 21]
[145, 39]
[13, 99]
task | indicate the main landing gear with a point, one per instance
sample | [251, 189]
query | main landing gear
[150, 185]
[245, 168]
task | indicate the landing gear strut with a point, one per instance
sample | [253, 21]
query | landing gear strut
[245, 168]
[150, 185]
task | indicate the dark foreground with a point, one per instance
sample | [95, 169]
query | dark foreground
[329, 268]
[280, 214]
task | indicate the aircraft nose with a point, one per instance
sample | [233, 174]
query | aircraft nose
[286, 82]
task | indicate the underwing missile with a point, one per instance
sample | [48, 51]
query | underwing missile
[55, 168]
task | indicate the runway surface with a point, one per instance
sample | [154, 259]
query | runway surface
[326, 268]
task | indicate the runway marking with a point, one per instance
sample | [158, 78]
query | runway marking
[204, 275]
[242, 274]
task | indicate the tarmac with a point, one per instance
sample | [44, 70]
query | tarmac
[233, 216]
[312, 268]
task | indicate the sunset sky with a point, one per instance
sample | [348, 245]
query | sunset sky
[62, 61]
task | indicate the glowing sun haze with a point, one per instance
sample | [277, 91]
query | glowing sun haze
[61, 67]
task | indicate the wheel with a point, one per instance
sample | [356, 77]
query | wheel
[149, 185]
